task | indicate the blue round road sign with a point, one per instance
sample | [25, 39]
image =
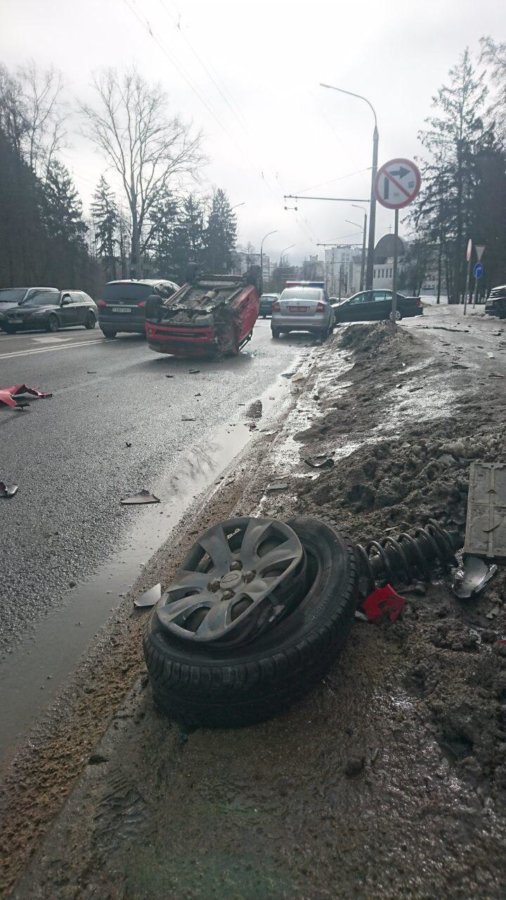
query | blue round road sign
[478, 270]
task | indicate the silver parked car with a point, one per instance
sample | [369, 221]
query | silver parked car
[302, 308]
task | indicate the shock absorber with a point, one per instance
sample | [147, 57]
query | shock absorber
[406, 558]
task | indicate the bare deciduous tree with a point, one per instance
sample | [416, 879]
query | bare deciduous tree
[146, 146]
[44, 113]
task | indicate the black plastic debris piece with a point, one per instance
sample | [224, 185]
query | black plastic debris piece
[279, 486]
[169, 376]
[142, 497]
[193, 371]
[8, 491]
[187, 419]
[128, 443]
[149, 598]
[320, 462]
[472, 577]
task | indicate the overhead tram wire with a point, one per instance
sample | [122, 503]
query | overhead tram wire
[206, 68]
[170, 56]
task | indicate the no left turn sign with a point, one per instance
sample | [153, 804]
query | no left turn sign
[397, 183]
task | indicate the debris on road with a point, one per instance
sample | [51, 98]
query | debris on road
[149, 598]
[128, 443]
[8, 491]
[187, 419]
[143, 496]
[193, 371]
[254, 410]
[13, 396]
[281, 486]
[486, 506]
[472, 577]
[382, 602]
[320, 462]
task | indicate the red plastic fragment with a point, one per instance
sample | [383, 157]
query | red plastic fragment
[9, 395]
[383, 601]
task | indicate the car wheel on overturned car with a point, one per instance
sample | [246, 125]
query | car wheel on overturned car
[219, 686]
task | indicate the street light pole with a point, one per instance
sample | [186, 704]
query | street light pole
[283, 252]
[362, 267]
[374, 170]
[262, 253]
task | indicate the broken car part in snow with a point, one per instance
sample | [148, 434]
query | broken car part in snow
[320, 462]
[472, 577]
[486, 511]
[13, 396]
[149, 598]
[256, 652]
[214, 315]
[142, 497]
[237, 581]
[408, 557]
[8, 490]
[383, 602]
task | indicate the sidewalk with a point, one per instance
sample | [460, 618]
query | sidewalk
[389, 779]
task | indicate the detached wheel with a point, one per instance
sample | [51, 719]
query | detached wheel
[90, 321]
[109, 332]
[215, 685]
[52, 323]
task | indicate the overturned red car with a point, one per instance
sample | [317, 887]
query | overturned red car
[211, 316]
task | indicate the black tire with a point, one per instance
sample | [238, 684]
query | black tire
[52, 323]
[219, 687]
[398, 316]
[90, 320]
[275, 333]
[109, 332]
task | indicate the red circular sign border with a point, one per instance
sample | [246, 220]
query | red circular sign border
[381, 171]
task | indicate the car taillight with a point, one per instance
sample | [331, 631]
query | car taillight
[141, 303]
[320, 307]
[101, 304]
[275, 306]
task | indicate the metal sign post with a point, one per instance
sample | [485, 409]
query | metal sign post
[397, 184]
[478, 271]
[469, 253]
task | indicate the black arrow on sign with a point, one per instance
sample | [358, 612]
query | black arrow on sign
[400, 173]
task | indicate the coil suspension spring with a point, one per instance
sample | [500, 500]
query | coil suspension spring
[406, 558]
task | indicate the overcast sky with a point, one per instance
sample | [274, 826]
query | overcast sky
[248, 73]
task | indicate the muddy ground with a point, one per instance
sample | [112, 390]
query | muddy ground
[389, 779]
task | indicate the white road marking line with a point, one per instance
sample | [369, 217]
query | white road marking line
[48, 349]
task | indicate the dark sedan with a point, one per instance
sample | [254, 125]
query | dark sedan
[496, 302]
[266, 302]
[369, 306]
[50, 310]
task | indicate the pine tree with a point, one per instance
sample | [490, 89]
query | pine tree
[105, 215]
[443, 213]
[220, 234]
[64, 226]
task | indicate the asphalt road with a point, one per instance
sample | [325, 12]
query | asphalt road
[70, 458]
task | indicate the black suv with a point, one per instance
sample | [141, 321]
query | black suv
[122, 306]
[496, 302]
